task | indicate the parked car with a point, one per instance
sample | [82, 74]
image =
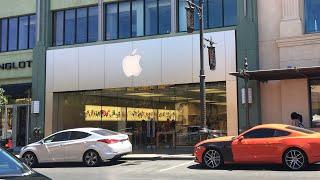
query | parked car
[291, 146]
[13, 168]
[88, 145]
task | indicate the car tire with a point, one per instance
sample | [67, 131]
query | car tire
[91, 158]
[212, 159]
[295, 159]
[30, 159]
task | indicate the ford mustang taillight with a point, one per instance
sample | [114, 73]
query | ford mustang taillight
[109, 141]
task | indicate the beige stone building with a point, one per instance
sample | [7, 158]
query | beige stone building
[289, 51]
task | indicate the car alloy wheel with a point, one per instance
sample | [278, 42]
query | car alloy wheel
[30, 159]
[212, 159]
[91, 158]
[295, 159]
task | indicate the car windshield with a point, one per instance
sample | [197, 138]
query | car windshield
[105, 132]
[306, 131]
[10, 166]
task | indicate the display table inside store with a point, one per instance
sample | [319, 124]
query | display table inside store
[166, 134]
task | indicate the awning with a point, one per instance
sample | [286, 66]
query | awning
[281, 74]
[17, 90]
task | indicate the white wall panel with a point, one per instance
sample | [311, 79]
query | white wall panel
[66, 75]
[177, 60]
[219, 74]
[91, 67]
[115, 76]
[172, 60]
[230, 47]
[150, 52]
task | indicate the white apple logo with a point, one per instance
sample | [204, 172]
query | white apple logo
[131, 64]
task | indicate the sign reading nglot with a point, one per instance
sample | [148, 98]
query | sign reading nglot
[16, 65]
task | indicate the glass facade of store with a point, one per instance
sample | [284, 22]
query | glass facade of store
[315, 103]
[153, 116]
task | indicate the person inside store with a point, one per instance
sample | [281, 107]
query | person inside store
[297, 119]
[144, 132]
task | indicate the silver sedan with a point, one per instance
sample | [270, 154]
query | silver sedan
[88, 145]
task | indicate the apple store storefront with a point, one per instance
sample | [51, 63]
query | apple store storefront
[148, 89]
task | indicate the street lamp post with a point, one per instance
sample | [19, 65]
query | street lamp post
[190, 28]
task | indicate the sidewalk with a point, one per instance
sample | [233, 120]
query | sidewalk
[158, 157]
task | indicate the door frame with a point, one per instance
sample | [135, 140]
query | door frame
[15, 121]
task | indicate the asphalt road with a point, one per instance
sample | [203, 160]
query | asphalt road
[173, 170]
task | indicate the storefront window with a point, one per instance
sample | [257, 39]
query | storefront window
[154, 116]
[315, 103]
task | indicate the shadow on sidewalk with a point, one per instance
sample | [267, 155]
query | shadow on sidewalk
[234, 167]
[77, 165]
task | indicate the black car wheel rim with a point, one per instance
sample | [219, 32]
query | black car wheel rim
[212, 158]
[294, 159]
[29, 159]
[91, 158]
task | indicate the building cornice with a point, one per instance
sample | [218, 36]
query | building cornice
[308, 39]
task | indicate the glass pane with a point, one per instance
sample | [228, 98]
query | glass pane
[93, 24]
[112, 21]
[315, 103]
[151, 17]
[59, 26]
[137, 18]
[82, 25]
[230, 12]
[124, 20]
[23, 32]
[182, 16]
[151, 116]
[69, 36]
[312, 15]
[215, 13]
[196, 17]
[13, 34]
[205, 14]
[32, 31]
[4, 35]
[164, 16]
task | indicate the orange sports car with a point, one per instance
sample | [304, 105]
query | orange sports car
[291, 146]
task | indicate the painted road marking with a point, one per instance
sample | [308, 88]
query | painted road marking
[173, 167]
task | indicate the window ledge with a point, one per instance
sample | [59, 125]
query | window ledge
[16, 52]
[307, 39]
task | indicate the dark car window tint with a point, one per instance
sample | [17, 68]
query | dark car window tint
[280, 133]
[78, 135]
[259, 133]
[105, 132]
[64, 136]
[306, 131]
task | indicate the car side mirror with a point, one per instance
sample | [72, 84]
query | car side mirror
[240, 138]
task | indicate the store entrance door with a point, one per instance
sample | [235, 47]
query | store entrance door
[15, 126]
